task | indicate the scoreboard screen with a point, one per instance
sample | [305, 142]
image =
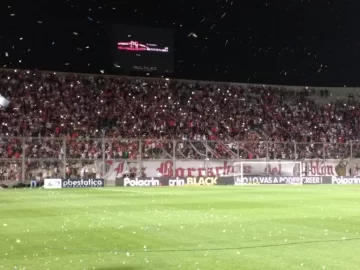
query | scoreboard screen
[136, 48]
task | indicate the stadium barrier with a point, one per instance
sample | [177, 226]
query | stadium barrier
[282, 180]
[53, 183]
[345, 180]
[108, 158]
[219, 167]
[306, 180]
[167, 181]
[57, 183]
[252, 180]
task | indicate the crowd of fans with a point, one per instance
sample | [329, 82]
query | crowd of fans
[86, 116]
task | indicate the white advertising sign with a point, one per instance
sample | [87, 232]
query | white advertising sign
[52, 183]
[216, 168]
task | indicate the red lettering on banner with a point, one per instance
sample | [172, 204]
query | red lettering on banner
[211, 172]
[180, 172]
[228, 169]
[317, 168]
[219, 170]
[200, 170]
[190, 170]
[119, 168]
[166, 169]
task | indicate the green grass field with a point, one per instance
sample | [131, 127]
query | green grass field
[252, 227]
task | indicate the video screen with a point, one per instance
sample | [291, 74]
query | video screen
[136, 48]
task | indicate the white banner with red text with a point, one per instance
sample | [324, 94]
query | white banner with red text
[216, 168]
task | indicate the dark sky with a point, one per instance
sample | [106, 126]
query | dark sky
[276, 42]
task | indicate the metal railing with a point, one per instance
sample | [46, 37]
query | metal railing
[25, 156]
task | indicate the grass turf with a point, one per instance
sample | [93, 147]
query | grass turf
[252, 227]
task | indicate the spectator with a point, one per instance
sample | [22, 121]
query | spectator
[206, 120]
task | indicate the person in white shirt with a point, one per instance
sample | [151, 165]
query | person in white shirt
[82, 172]
[45, 174]
[86, 171]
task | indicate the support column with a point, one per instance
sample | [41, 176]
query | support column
[64, 157]
[174, 158]
[238, 150]
[206, 159]
[140, 159]
[103, 167]
[23, 165]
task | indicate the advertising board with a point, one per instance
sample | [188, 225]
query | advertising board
[52, 183]
[177, 181]
[82, 183]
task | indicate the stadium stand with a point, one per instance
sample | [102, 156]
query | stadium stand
[53, 112]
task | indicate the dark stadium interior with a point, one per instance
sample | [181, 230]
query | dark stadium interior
[66, 114]
[209, 134]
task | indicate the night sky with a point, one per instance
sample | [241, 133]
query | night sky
[271, 42]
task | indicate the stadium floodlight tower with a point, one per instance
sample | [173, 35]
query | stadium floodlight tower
[267, 172]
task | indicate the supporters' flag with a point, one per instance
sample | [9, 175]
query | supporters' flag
[4, 102]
